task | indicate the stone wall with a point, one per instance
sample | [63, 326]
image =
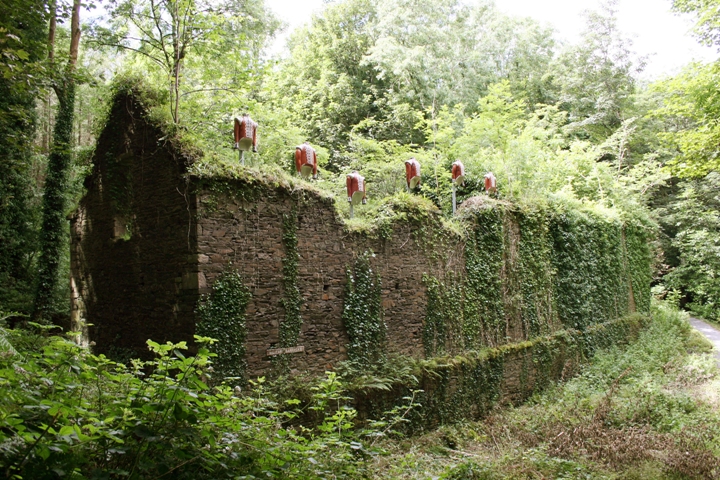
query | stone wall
[132, 240]
[247, 235]
[240, 225]
[468, 387]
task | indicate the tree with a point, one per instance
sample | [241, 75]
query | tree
[168, 32]
[690, 111]
[692, 221]
[445, 52]
[23, 36]
[366, 67]
[597, 76]
[329, 89]
[54, 202]
[691, 104]
[707, 27]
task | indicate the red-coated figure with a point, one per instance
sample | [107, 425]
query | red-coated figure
[412, 173]
[306, 160]
[490, 183]
[245, 133]
[458, 172]
[356, 188]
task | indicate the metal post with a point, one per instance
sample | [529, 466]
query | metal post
[242, 157]
[454, 201]
[351, 210]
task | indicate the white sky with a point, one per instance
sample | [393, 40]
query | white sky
[656, 32]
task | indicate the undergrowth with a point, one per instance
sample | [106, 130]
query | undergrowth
[648, 410]
[66, 413]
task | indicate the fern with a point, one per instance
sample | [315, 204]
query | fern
[5, 345]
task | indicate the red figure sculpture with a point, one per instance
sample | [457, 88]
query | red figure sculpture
[490, 183]
[306, 160]
[412, 173]
[356, 188]
[245, 133]
[458, 172]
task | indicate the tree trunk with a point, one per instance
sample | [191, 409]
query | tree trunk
[51, 30]
[53, 232]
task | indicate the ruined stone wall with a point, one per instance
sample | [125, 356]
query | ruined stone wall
[467, 387]
[148, 241]
[247, 234]
[532, 285]
[133, 246]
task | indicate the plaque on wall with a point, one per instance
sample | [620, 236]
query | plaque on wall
[282, 351]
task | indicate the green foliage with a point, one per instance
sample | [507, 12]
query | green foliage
[329, 85]
[536, 268]
[357, 70]
[443, 323]
[68, 412]
[54, 226]
[419, 63]
[363, 314]
[639, 409]
[292, 300]
[484, 309]
[690, 108]
[588, 257]
[691, 221]
[166, 37]
[468, 386]
[707, 27]
[23, 39]
[533, 271]
[379, 218]
[597, 76]
[222, 317]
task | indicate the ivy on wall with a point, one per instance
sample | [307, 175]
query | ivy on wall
[222, 317]
[539, 268]
[590, 281]
[535, 269]
[442, 329]
[362, 313]
[467, 386]
[484, 309]
[292, 300]
[638, 251]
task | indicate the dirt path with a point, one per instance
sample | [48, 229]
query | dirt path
[710, 332]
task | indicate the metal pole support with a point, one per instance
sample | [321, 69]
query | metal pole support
[454, 199]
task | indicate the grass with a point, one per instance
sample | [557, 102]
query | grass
[649, 410]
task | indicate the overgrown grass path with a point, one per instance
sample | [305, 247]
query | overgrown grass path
[709, 332]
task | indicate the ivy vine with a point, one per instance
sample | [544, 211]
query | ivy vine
[543, 268]
[362, 313]
[484, 308]
[222, 317]
[292, 300]
[467, 386]
[588, 256]
[535, 259]
[442, 328]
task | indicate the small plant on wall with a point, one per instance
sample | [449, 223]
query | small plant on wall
[362, 314]
[222, 317]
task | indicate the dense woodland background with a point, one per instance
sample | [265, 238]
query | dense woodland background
[369, 84]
